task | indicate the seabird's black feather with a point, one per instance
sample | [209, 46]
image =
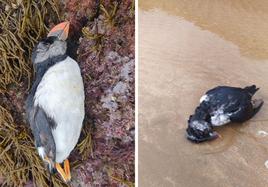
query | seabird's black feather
[41, 128]
[229, 104]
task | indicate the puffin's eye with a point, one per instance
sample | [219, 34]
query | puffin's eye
[47, 44]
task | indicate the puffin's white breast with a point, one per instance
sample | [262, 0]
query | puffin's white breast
[219, 118]
[61, 95]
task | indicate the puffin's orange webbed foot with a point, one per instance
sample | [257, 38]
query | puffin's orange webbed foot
[61, 172]
[67, 169]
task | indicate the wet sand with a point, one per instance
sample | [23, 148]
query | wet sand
[178, 62]
[243, 22]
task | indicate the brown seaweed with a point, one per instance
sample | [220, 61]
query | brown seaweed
[105, 152]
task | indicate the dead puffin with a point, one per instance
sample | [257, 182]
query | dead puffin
[55, 104]
[220, 106]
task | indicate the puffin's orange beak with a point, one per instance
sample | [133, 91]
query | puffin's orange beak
[61, 30]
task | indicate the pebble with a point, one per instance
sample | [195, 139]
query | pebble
[262, 133]
[266, 164]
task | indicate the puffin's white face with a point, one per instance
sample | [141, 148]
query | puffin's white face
[48, 48]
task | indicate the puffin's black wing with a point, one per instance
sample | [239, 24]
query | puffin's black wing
[246, 112]
[235, 101]
[41, 128]
[230, 99]
[248, 91]
[41, 125]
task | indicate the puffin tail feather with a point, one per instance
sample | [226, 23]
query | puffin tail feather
[251, 89]
[257, 104]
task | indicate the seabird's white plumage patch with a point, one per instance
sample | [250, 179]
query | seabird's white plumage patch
[61, 95]
[198, 125]
[41, 152]
[204, 98]
[56, 49]
[219, 118]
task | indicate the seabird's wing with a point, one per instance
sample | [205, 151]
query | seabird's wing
[42, 126]
[243, 110]
[241, 114]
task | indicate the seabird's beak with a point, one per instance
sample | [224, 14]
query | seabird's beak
[214, 135]
[61, 30]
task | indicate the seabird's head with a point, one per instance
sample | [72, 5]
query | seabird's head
[199, 131]
[53, 46]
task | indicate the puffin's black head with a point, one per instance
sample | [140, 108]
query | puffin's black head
[199, 131]
[53, 46]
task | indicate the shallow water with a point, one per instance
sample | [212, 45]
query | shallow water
[178, 61]
[243, 22]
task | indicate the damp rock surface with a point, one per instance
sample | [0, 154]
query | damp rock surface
[106, 57]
